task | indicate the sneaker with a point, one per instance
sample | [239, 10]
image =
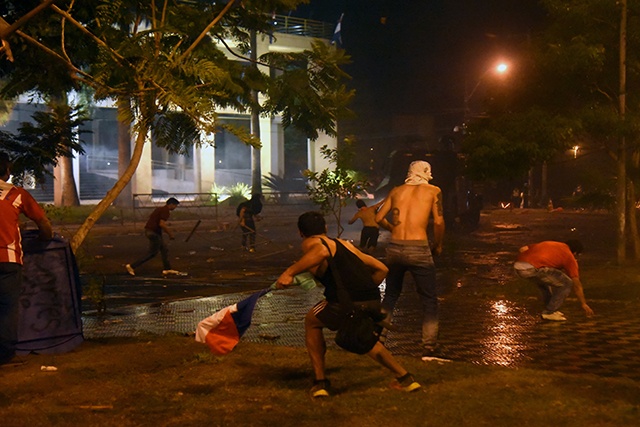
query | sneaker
[173, 273]
[555, 316]
[406, 384]
[130, 269]
[433, 354]
[320, 388]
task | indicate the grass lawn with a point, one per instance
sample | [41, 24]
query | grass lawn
[174, 381]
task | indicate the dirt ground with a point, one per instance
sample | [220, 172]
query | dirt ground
[208, 249]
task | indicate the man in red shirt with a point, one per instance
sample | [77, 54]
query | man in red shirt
[554, 268]
[13, 202]
[156, 224]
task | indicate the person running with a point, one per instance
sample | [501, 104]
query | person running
[553, 267]
[370, 228]
[364, 274]
[156, 225]
[411, 206]
[13, 202]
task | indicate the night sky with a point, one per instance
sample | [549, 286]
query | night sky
[427, 53]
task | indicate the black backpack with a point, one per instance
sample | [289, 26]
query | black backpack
[239, 208]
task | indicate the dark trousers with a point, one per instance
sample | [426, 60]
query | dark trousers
[10, 284]
[248, 234]
[156, 244]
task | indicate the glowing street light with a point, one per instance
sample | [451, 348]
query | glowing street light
[500, 68]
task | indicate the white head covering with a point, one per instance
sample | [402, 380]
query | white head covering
[419, 173]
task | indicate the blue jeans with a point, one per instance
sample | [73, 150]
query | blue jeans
[156, 244]
[554, 284]
[417, 259]
[10, 284]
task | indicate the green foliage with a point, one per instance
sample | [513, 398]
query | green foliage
[279, 185]
[234, 195]
[507, 146]
[217, 191]
[563, 90]
[310, 82]
[37, 147]
[162, 57]
[238, 193]
[176, 132]
[330, 189]
[156, 55]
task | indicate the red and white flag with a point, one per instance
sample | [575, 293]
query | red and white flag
[222, 330]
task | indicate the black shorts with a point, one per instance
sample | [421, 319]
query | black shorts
[369, 237]
[332, 314]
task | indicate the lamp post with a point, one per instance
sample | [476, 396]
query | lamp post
[499, 69]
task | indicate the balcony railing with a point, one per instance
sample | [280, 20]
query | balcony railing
[302, 27]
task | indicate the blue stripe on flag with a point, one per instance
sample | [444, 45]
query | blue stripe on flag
[242, 317]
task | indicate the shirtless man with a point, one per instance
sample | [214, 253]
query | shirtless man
[411, 206]
[370, 228]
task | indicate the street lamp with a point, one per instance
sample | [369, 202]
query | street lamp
[499, 69]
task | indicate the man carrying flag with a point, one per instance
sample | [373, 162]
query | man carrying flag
[361, 274]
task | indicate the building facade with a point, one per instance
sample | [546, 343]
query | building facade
[221, 161]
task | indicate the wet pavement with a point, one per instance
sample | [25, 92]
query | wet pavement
[474, 327]
[480, 331]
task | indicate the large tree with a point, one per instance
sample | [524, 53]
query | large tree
[168, 60]
[581, 72]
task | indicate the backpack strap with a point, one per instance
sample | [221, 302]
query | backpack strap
[343, 294]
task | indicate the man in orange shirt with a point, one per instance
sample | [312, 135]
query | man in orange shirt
[13, 202]
[554, 268]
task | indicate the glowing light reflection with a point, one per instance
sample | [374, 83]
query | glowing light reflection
[502, 342]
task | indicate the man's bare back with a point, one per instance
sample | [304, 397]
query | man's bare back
[411, 207]
[367, 214]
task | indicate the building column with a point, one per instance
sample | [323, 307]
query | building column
[142, 182]
[277, 147]
[204, 173]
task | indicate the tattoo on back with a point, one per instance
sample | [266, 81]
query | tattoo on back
[395, 214]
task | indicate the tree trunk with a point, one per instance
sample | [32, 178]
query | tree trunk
[621, 189]
[125, 198]
[632, 219]
[111, 195]
[256, 168]
[68, 183]
[544, 190]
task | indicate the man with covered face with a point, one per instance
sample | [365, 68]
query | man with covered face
[410, 207]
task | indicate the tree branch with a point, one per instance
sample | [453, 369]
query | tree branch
[206, 30]
[87, 32]
[14, 27]
[237, 55]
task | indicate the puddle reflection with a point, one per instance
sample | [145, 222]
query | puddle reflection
[503, 343]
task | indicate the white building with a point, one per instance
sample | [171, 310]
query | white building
[225, 161]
